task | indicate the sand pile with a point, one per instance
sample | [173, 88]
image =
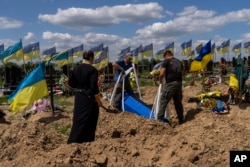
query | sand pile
[124, 139]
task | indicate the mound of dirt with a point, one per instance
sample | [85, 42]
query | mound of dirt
[124, 139]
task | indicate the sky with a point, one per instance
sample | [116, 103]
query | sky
[123, 23]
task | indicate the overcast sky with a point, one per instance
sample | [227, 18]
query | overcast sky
[122, 23]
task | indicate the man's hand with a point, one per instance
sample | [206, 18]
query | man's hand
[123, 71]
[98, 99]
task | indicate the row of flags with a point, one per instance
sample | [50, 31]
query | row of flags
[31, 51]
[223, 48]
[146, 51]
[34, 86]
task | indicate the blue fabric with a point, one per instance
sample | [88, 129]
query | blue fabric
[124, 66]
[220, 106]
[134, 105]
[31, 47]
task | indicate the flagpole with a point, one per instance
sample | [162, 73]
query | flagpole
[108, 67]
[51, 88]
[24, 65]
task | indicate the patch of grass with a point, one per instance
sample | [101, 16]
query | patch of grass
[62, 129]
[62, 101]
[146, 82]
[3, 99]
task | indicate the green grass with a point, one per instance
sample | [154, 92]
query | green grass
[3, 99]
[62, 101]
[62, 129]
[146, 82]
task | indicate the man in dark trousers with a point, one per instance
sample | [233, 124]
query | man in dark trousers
[171, 70]
[84, 79]
[121, 66]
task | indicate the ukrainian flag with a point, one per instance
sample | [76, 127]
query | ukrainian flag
[101, 60]
[192, 55]
[156, 69]
[186, 48]
[48, 53]
[70, 56]
[77, 51]
[219, 50]
[247, 47]
[147, 51]
[200, 62]
[97, 50]
[170, 47]
[13, 52]
[224, 48]
[31, 51]
[135, 54]
[159, 54]
[124, 52]
[30, 89]
[61, 58]
[237, 48]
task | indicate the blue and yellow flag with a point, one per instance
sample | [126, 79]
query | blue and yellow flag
[13, 52]
[147, 51]
[247, 46]
[31, 51]
[156, 69]
[224, 48]
[97, 49]
[135, 54]
[159, 54]
[48, 53]
[30, 89]
[200, 62]
[61, 58]
[77, 51]
[170, 47]
[70, 56]
[192, 55]
[123, 53]
[237, 48]
[101, 60]
[186, 48]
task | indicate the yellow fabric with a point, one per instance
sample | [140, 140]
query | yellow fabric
[135, 59]
[132, 80]
[233, 81]
[78, 54]
[28, 95]
[223, 50]
[147, 53]
[248, 50]
[210, 94]
[32, 55]
[186, 51]
[102, 64]
[18, 56]
[155, 72]
[199, 65]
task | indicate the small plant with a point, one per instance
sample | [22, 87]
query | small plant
[62, 129]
